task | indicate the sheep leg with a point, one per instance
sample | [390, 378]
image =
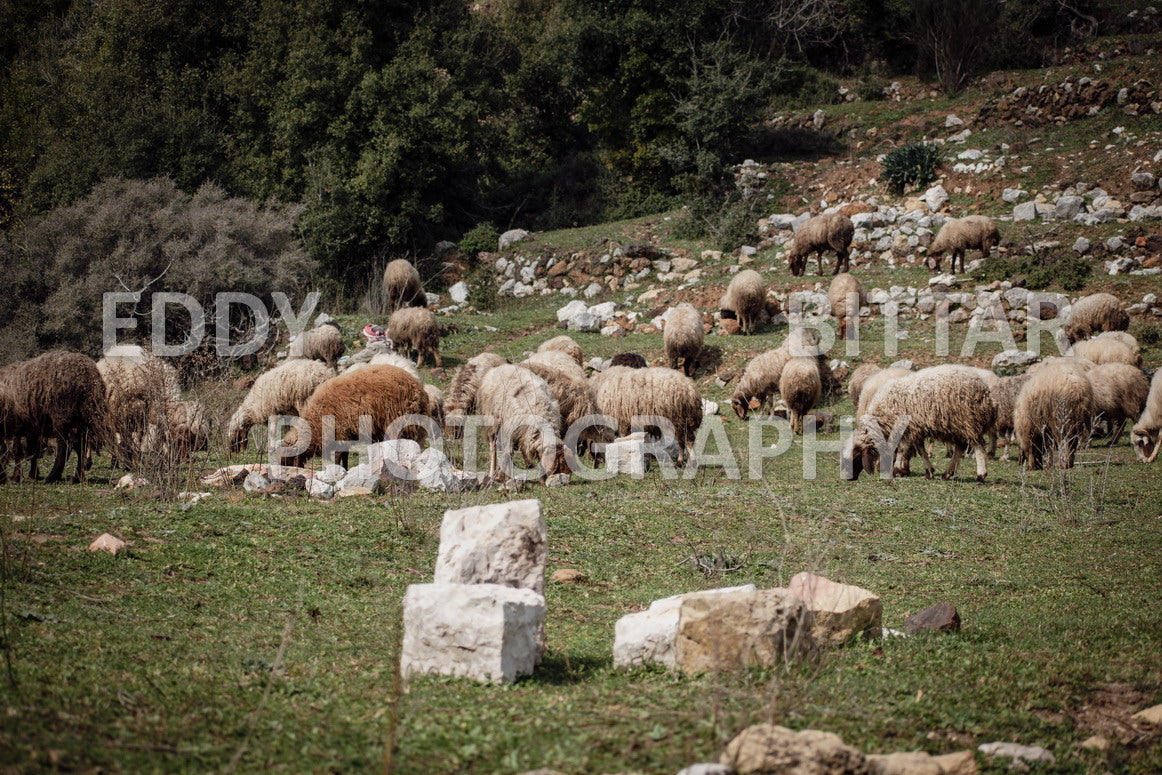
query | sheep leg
[1154, 455]
[58, 463]
[81, 447]
[436, 355]
[929, 469]
[819, 258]
[981, 463]
[957, 454]
[1118, 433]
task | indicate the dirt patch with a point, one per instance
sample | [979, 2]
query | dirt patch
[1107, 712]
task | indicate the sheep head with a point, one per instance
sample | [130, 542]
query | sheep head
[1147, 443]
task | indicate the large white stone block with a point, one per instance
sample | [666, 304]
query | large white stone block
[501, 543]
[647, 637]
[486, 632]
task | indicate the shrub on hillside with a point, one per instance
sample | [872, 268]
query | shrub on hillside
[483, 237]
[1038, 272]
[146, 236]
[913, 164]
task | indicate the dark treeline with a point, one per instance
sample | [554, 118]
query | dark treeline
[397, 123]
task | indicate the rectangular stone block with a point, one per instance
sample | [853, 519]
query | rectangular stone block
[761, 628]
[840, 611]
[626, 457]
[486, 632]
[501, 543]
[647, 637]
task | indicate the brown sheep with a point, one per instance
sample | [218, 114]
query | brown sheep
[1119, 395]
[57, 396]
[415, 330]
[1146, 435]
[402, 287]
[1094, 314]
[565, 344]
[632, 360]
[382, 393]
[800, 386]
[322, 343]
[947, 403]
[461, 398]
[746, 297]
[683, 336]
[1053, 414]
[847, 297]
[1004, 394]
[830, 231]
[960, 235]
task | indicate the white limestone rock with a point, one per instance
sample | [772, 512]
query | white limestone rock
[647, 637]
[501, 543]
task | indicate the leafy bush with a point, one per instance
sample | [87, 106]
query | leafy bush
[147, 236]
[914, 163]
[483, 237]
[870, 90]
[1038, 271]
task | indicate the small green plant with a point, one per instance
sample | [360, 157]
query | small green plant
[871, 90]
[481, 237]
[914, 163]
[1038, 271]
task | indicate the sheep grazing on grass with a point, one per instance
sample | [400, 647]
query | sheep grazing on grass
[1004, 394]
[624, 393]
[632, 360]
[415, 330]
[58, 396]
[436, 402]
[555, 359]
[522, 405]
[138, 388]
[576, 400]
[461, 398]
[872, 384]
[322, 343]
[281, 391]
[859, 378]
[1109, 347]
[381, 393]
[847, 297]
[746, 297]
[959, 235]
[1146, 434]
[565, 344]
[182, 430]
[1053, 415]
[1119, 395]
[800, 386]
[759, 381]
[401, 286]
[682, 337]
[1094, 314]
[830, 231]
[387, 357]
[946, 403]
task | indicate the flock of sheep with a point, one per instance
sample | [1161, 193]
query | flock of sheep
[129, 402]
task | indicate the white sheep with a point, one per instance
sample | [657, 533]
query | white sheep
[960, 235]
[800, 386]
[1147, 432]
[746, 297]
[1053, 415]
[402, 286]
[682, 337]
[557, 360]
[1094, 314]
[565, 344]
[1119, 395]
[624, 393]
[520, 403]
[322, 343]
[415, 330]
[281, 391]
[847, 297]
[1109, 347]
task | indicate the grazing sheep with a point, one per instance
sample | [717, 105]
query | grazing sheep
[682, 337]
[1094, 314]
[800, 386]
[859, 378]
[138, 388]
[1053, 414]
[436, 401]
[382, 393]
[401, 286]
[1109, 347]
[759, 381]
[872, 385]
[830, 231]
[847, 297]
[1119, 395]
[632, 360]
[947, 403]
[510, 392]
[1146, 435]
[281, 391]
[322, 343]
[415, 330]
[959, 235]
[557, 360]
[746, 297]
[181, 430]
[576, 400]
[387, 358]
[565, 344]
[624, 393]
[461, 398]
[57, 396]
[1004, 394]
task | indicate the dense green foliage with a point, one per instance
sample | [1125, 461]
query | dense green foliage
[913, 164]
[1039, 271]
[399, 125]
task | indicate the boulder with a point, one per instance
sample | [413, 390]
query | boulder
[501, 543]
[572, 308]
[487, 632]
[935, 198]
[1031, 754]
[1068, 207]
[922, 763]
[941, 617]
[1026, 211]
[759, 628]
[584, 322]
[1142, 181]
[459, 292]
[647, 637]
[839, 611]
[108, 543]
[1013, 195]
[511, 237]
[768, 748]
[1014, 358]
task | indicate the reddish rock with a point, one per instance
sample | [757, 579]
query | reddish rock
[941, 617]
[558, 269]
[729, 326]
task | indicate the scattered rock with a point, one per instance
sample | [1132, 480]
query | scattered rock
[131, 482]
[942, 617]
[1013, 195]
[1095, 743]
[1068, 207]
[501, 543]
[108, 543]
[1014, 358]
[511, 237]
[648, 637]
[1142, 181]
[952, 121]
[569, 576]
[255, 482]
[1081, 245]
[1151, 715]
[459, 292]
[350, 492]
[768, 748]
[706, 768]
[840, 611]
[1032, 754]
[486, 632]
[935, 198]
[736, 630]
